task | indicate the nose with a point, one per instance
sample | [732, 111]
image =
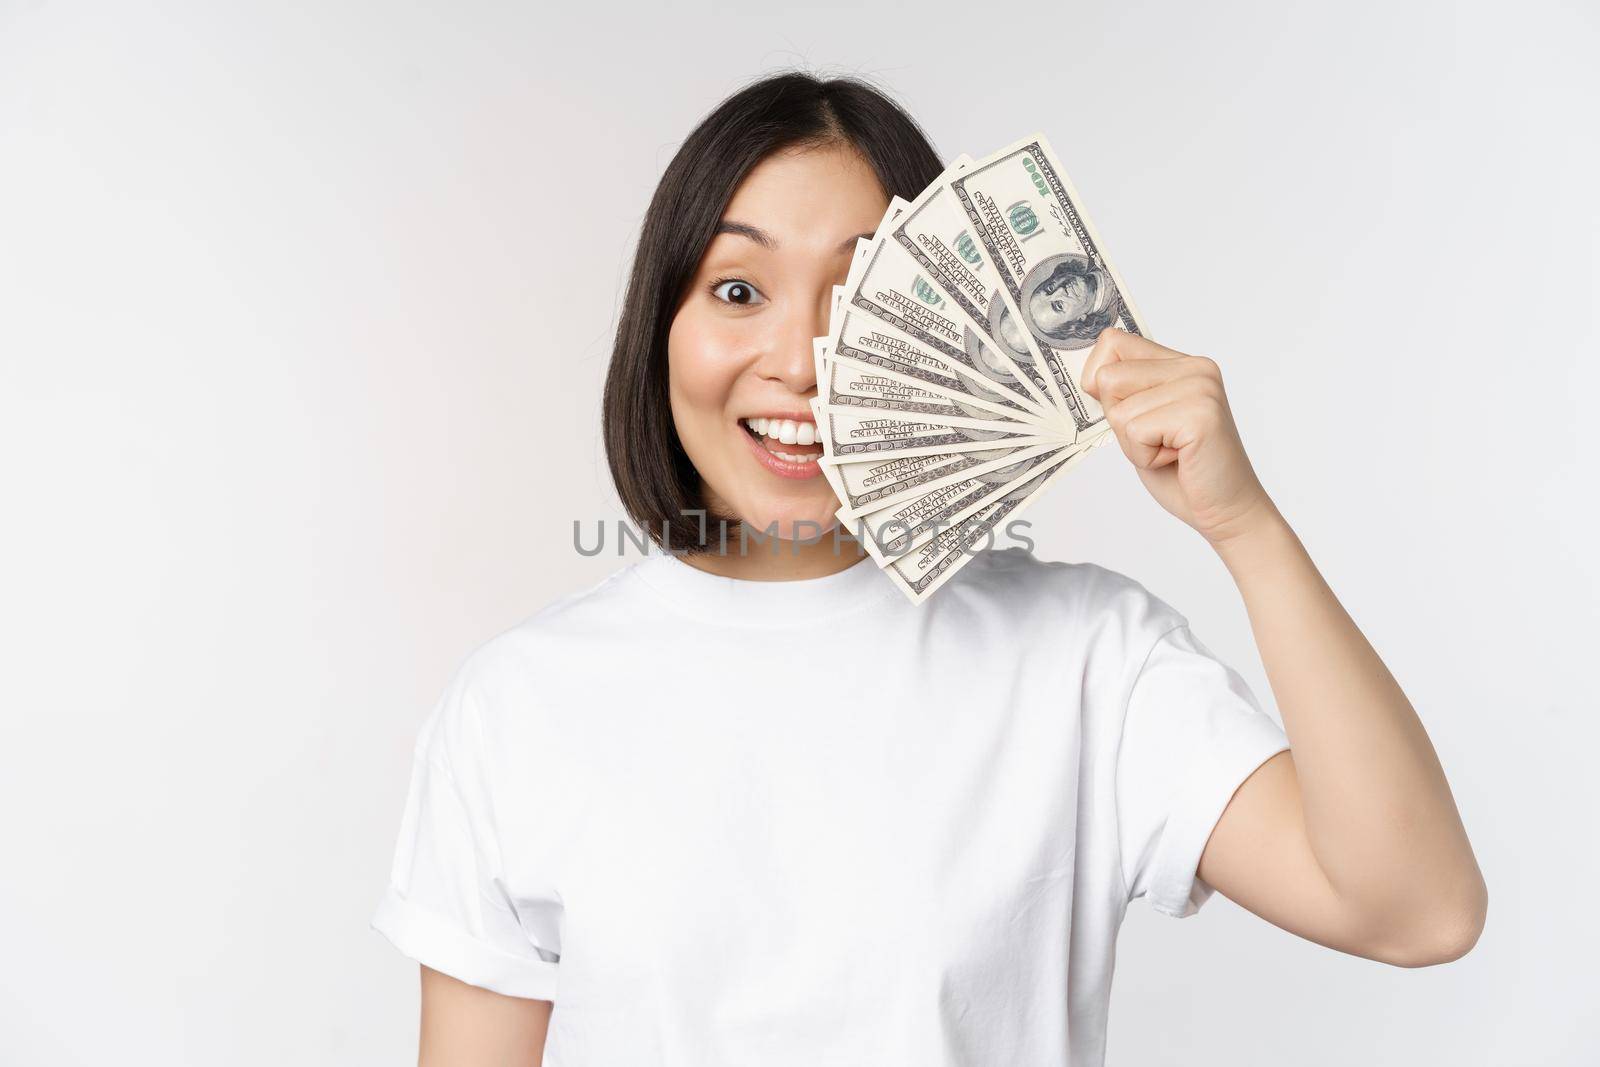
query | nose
[787, 355]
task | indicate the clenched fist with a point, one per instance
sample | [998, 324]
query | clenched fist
[1170, 415]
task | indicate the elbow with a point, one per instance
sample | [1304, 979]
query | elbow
[1448, 934]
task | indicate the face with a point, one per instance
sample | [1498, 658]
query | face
[1010, 336]
[739, 350]
[1057, 310]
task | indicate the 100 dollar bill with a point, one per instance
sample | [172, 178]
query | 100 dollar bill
[848, 436]
[921, 572]
[1057, 284]
[873, 344]
[936, 233]
[889, 533]
[895, 288]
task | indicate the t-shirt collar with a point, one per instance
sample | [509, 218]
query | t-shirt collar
[777, 603]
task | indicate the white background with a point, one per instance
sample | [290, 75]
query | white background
[304, 311]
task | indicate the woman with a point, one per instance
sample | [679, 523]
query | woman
[751, 807]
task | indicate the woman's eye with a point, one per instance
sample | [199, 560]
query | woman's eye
[734, 291]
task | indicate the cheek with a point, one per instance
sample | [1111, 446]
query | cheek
[703, 362]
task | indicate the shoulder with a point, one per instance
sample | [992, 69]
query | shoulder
[1085, 627]
[564, 632]
[1013, 584]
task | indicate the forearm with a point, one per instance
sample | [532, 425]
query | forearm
[1379, 815]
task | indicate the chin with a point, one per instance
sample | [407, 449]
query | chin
[793, 523]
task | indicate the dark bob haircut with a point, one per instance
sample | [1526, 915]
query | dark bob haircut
[659, 486]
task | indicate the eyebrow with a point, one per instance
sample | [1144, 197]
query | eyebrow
[766, 240]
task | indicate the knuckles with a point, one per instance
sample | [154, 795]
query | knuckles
[1113, 381]
[1208, 387]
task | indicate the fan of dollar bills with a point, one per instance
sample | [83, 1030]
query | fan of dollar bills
[948, 393]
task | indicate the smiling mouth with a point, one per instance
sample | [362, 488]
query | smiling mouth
[790, 441]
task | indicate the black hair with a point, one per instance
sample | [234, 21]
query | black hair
[654, 477]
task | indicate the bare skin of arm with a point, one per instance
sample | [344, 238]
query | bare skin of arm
[1352, 838]
[465, 1026]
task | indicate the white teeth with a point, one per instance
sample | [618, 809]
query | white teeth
[787, 431]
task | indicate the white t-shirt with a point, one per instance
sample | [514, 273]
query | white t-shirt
[724, 822]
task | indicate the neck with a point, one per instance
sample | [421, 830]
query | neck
[768, 559]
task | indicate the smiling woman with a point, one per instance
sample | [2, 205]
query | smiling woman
[752, 225]
[739, 351]
[734, 807]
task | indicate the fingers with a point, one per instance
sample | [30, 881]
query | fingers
[1188, 387]
[1122, 363]
[1157, 400]
[1143, 434]
[1154, 437]
[1115, 382]
[1118, 346]
[1154, 421]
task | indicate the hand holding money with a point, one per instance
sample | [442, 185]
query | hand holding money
[950, 387]
[1170, 414]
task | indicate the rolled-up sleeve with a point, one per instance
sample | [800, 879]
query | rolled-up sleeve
[446, 905]
[1192, 733]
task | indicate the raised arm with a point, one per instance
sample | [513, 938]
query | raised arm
[1352, 838]
[465, 1026]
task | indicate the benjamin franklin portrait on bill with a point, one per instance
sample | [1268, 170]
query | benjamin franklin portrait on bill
[1067, 301]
